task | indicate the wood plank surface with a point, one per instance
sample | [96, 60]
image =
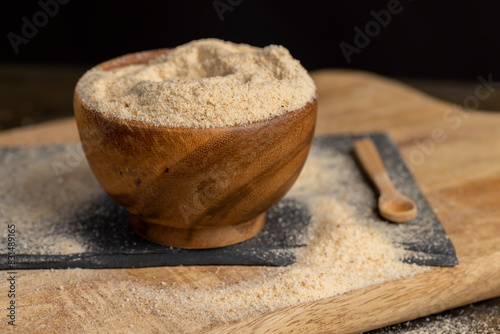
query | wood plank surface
[454, 156]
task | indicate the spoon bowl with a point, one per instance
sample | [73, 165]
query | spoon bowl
[397, 208]
[392, 205]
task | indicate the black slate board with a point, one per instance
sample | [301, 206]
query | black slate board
[103, 226]
[424, 239]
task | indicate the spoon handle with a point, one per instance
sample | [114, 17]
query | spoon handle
[367, 153]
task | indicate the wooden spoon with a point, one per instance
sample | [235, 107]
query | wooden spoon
[392, 205]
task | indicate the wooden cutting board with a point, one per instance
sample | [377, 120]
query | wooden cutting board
[454, 156]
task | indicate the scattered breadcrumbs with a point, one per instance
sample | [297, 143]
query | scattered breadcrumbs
[205, 83]
[345, 252]
[34, 199]
[348, 249]
[482, 318]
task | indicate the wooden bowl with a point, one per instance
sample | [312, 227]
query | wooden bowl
[194, 187]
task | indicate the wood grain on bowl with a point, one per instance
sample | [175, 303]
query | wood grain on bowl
[195, 187]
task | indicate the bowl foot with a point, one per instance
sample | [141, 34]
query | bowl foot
[197, 238]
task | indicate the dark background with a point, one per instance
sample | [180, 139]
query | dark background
[438, 40]
[450, 39]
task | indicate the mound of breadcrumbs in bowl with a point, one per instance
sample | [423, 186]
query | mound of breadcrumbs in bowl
[205, 83]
